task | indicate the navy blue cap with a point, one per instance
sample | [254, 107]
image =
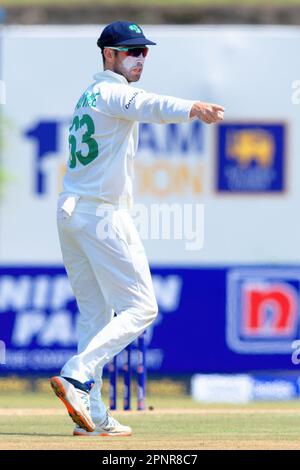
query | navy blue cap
[123, 33]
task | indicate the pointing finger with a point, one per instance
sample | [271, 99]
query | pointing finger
[217, 107]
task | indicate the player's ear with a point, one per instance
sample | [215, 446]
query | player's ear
[108, 54]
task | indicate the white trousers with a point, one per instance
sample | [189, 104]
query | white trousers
[109, 272]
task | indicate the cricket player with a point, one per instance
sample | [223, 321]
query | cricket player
[102, 251]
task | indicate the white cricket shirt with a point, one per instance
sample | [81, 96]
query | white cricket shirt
[103, 137]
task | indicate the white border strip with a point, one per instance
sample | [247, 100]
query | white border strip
[63, 31]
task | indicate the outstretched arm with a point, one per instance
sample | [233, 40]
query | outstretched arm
[134, 104]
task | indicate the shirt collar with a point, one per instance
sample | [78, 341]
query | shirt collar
[113, 75]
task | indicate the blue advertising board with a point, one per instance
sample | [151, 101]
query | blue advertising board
[226, 319]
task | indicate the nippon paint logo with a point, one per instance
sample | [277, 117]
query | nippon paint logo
[2, 92]
[263, 310]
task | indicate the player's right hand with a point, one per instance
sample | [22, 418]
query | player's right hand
[207, 112]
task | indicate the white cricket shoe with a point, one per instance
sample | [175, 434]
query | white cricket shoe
[110, 427]
[75, 400]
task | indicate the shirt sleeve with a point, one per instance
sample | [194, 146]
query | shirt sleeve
[135, 104]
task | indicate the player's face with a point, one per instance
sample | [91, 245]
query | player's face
[130, 67]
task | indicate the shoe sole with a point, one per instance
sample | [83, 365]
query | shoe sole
[78, 418]
[78, 434]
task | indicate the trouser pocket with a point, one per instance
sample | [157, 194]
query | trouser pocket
[66, 206]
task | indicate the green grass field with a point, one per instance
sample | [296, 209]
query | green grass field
[39, 421]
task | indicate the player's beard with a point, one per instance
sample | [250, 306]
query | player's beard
[132, 67]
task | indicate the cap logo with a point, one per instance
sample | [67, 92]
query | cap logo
[135, 28]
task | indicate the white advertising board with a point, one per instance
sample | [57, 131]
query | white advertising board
[245, 172]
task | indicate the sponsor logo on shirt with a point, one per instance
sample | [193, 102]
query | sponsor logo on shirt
[131, 99]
